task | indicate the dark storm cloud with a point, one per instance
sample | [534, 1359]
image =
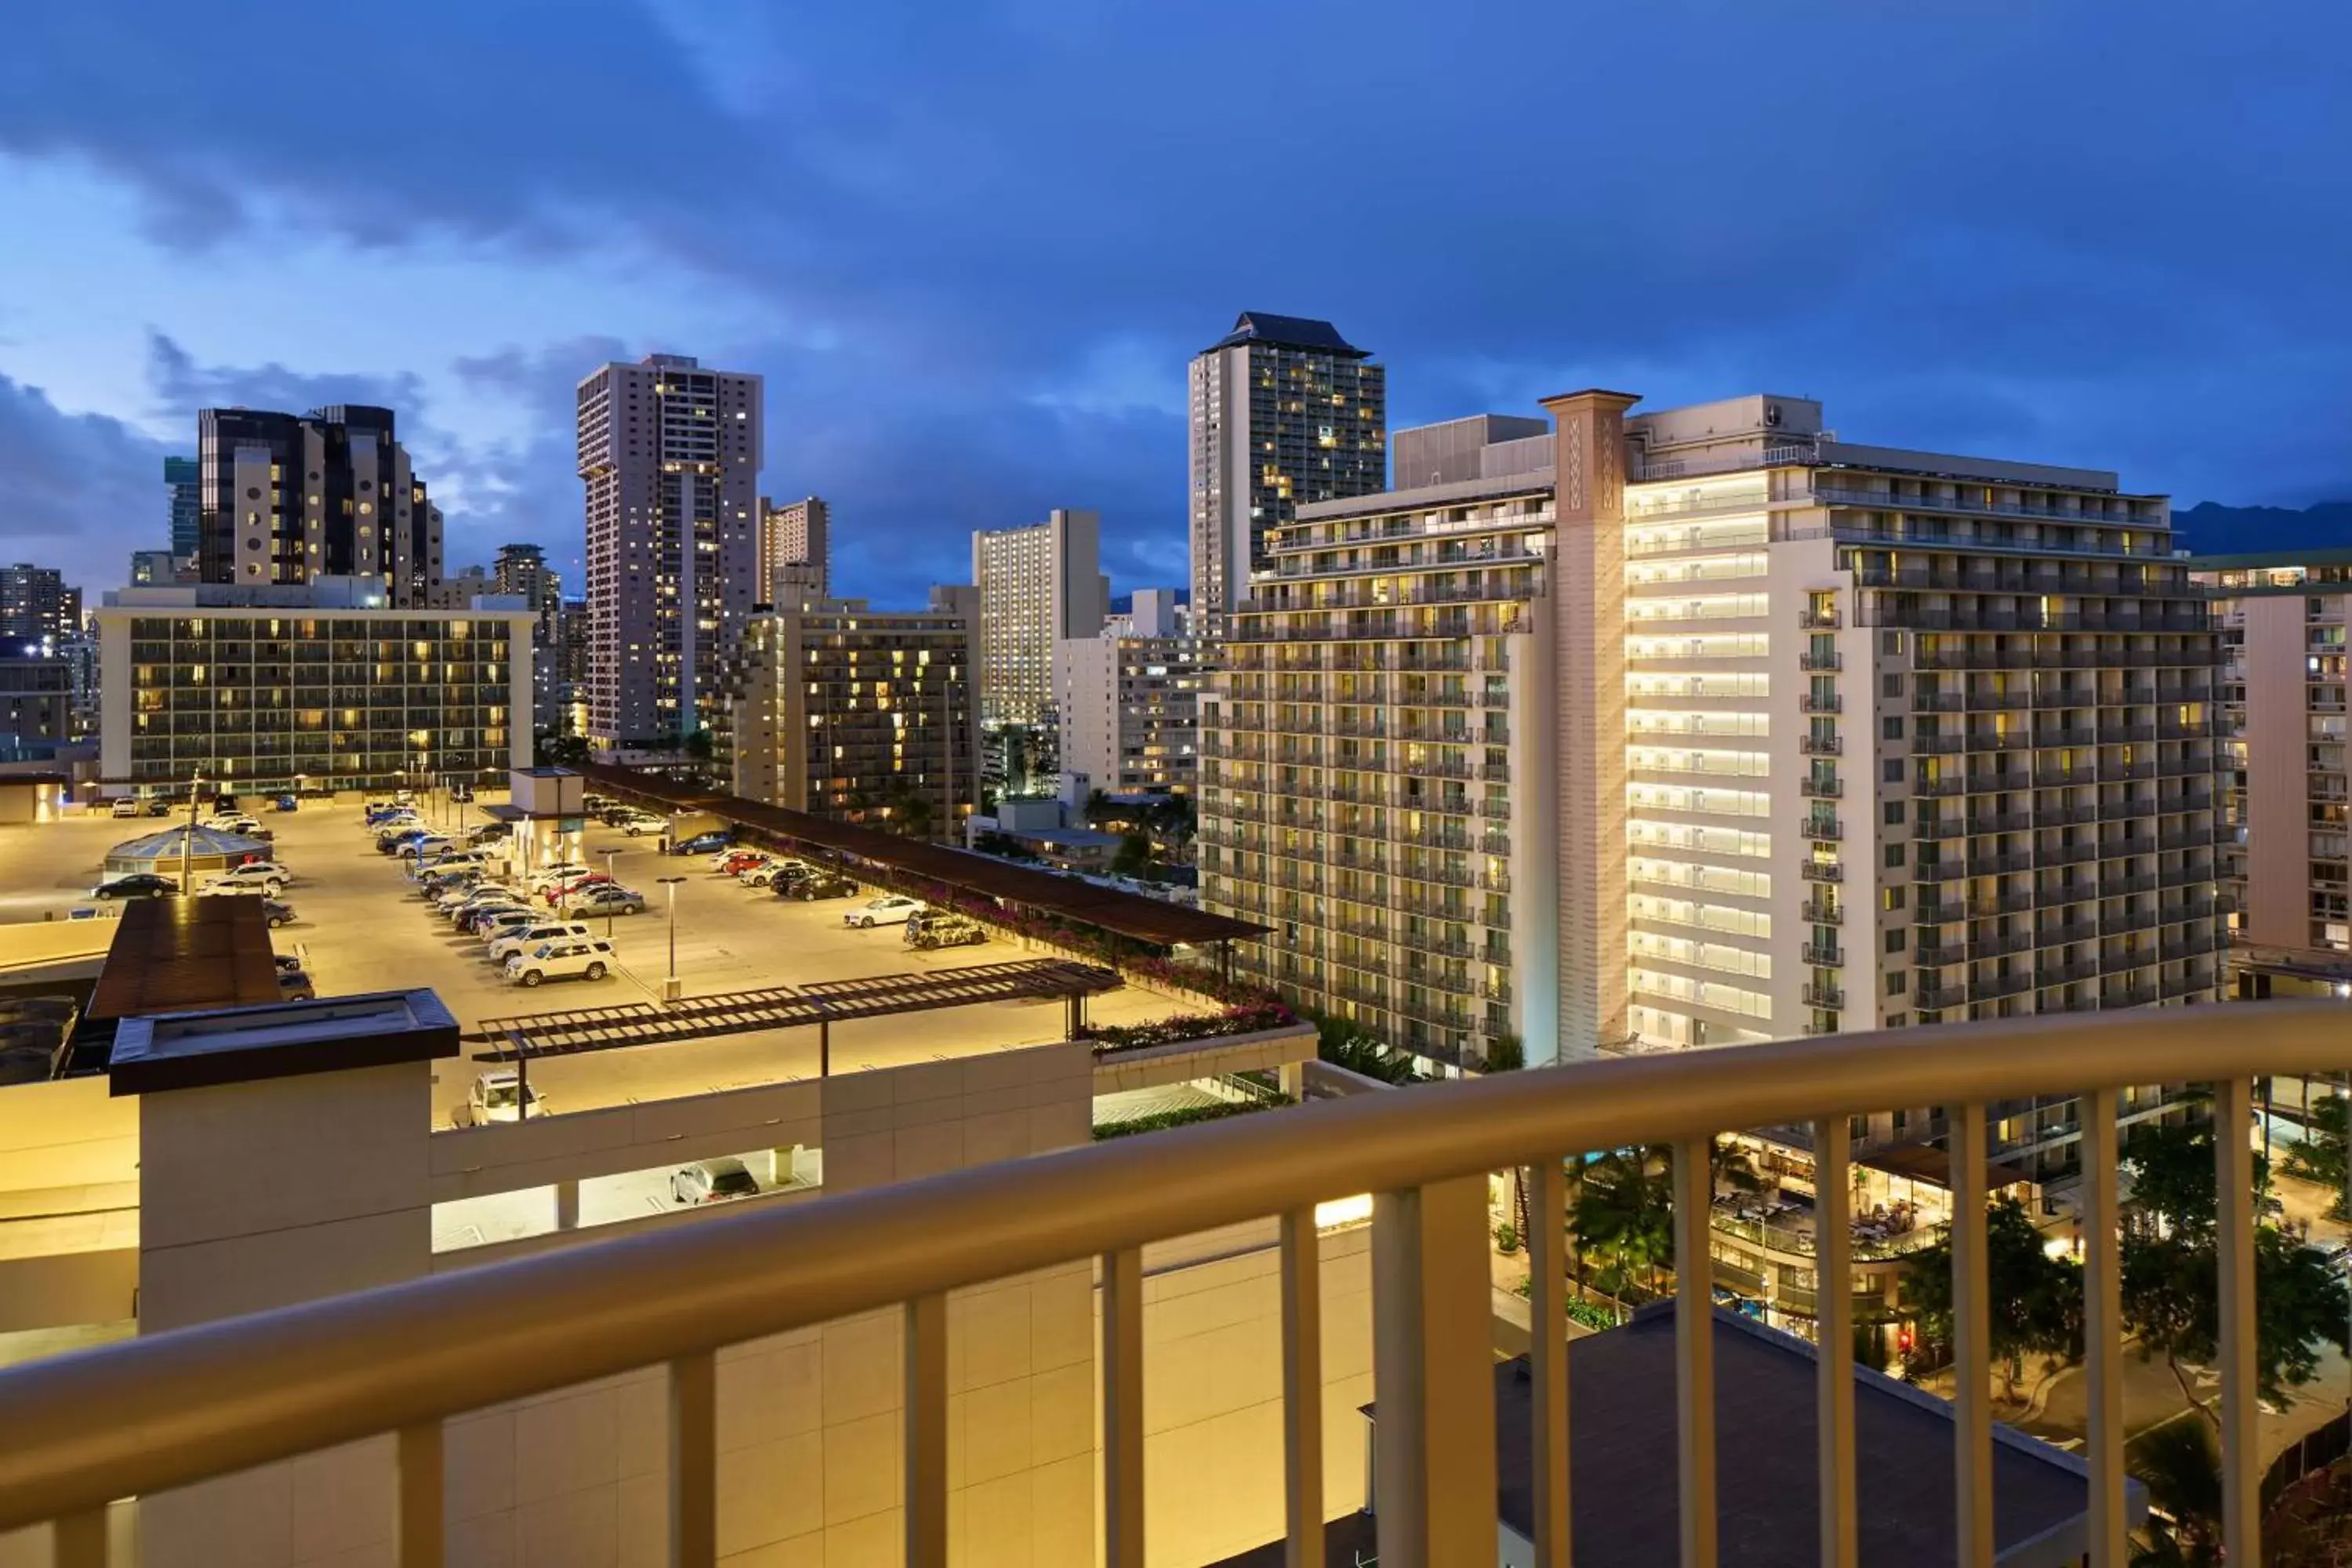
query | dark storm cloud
[76, 486]
[2100, 234]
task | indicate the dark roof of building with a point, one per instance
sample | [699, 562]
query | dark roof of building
[1130, 915]
[1287, 332]
[285, 1040]
[1622, 1451]
[174, 955]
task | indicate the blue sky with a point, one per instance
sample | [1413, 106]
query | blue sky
[971, 246]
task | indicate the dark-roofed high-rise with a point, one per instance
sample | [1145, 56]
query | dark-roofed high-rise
[1284, 410]
[288, 498]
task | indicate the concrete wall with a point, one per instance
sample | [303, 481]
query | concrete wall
[2278, 781]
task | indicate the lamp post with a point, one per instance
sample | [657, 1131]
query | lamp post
[669, 985]
[188, 835]
[609, 854]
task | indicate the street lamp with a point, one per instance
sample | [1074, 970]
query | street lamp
[609, 854]
[188, 835]
[669, 986]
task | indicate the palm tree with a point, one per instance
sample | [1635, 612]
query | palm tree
[1625, 1213]
[2182, 1470]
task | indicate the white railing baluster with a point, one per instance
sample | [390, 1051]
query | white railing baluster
[1695, 1347]
[926, 1416]
[2103, 1340]
[419, 1524]
[1433, 1366]
[693, 1461]
[1122, 1386]
[78, 1540]
[2242, 1460]
[1302, 1391]
[1833, 1309]
[1971, 1342]
[1548, 1328]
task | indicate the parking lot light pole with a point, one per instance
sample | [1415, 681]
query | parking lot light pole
[669, 985]
[609, 854]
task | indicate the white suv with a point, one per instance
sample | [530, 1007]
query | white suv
[890, 910]
[523, 940]
[266, 876]
[560, 960]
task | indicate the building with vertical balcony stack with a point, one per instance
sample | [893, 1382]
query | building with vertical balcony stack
[1843, 737]
[37, 610]
[796, 551]
[1127, 709]
[669, 455]
[288, 498]
[1284, 412]
[2284, 699]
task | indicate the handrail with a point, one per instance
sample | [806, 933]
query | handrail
[166, 1410]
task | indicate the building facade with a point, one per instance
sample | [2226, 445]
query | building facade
[327, 682]
[37, 706]
[2284, 699]
[1127, 710]
[287, 499]
[1826, 737]
[520, 570]
[860, 715]
[183, 484]
[669, 453]
[153, 569]
[1036, 585]
[37, 610]
[1284, 412]
[795, 551]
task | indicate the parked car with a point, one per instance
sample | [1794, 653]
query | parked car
[396, 840]
[276, 914]
[726, 862]
[462, 793]
[604, 898]
[575, 959]
[890, 910]
[535, 935]
[765, 873]
[712, 1182]
[235, 822]
[638, 824]
[294, 985]
[548, 876]
[426, 848]
[489, 832]
[224, 802]
[478, 918]
[933, 930]
[266, 876]
[125, 806]
[137, 885]
[159, 807]
[500, 1096]
[287, 803]
[557, 892]
[809, 890]
[703, 844]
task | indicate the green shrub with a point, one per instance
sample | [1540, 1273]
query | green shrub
[1183, 1116]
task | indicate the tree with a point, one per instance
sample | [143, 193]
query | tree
[908, 812]
[2320, 1156]
[1134, 856]
[554, 751]
[2037, 1299]
[2181, 1468]
[1624, 1214]
[2171, 1272]
[1505, 1052]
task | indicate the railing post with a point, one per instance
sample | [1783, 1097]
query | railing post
[1695, 1347]
[1971, 1342]
[693, 1461]
[419, 1525]
[1833, 1311]
[78, 1540]
[1122, 1385]
[2102, 1347]
[2242, 1466]
[1433, 1366]
[1547, 1245]
[1302, 1390]
[926, 1439]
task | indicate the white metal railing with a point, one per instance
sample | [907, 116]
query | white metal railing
[136, 1418]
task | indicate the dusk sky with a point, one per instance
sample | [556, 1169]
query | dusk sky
[972, 246]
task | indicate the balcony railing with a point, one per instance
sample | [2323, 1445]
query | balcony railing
[165, 1410]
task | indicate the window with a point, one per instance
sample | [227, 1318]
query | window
[1890, 727]
[1892, 812]
[1891, 770]
[1895, 940]
[1895, 982]
[1897, 1021]
[1890, 642]
[1892, 899]
[1895, 855]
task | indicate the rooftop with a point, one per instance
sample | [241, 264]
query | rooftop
[1286, 332]
[245, 1045]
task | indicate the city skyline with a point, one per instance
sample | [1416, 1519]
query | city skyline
[2056, 328]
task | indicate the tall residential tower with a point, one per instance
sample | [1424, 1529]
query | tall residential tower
[669, 453]
[291, 498]
[795, 551]
[1284, 412]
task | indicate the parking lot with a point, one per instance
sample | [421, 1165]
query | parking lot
[360, 926]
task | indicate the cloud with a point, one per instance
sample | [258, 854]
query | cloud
[81, 489]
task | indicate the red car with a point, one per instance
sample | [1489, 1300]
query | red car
[743, 860]
[557, 892]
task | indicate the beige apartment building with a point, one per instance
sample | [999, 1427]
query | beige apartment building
[796, 551]
[1037, 585]
[1720, 729]
[860, 715]
[2284, 693]
[1128, 711]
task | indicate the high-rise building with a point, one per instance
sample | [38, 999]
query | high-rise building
[1284, 412]
[153, 568]
[670, 454]
[2285, 695]
[1718, 729]
[184, 481]
[522, 570]
[795, 551]
[571, 656]
[860, 715]
[291, 498]
[1127, 709]
[1037, 585]
[36, 705]
[271, 687]
[37, 610]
